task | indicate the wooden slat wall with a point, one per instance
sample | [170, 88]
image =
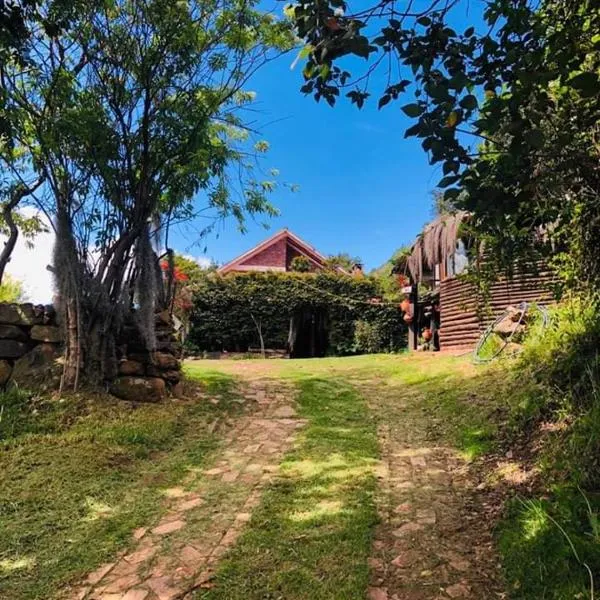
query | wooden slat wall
[461, 326]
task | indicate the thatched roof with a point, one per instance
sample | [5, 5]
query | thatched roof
[436, 243]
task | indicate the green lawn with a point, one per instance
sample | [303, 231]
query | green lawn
[311, 537]
[78, 475]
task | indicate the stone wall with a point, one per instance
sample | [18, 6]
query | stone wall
[148, 376]
[29, 337]
[31, 340]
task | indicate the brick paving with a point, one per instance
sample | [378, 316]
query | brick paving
[433, 542]
[179, 554]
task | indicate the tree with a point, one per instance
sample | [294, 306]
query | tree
[130, 115]
[13, 27]
[510, 113]
[13, 223]
[192, 268]
[11, 290]
[342, 260]
[392, 275]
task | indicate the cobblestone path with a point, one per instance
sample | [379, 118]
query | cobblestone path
[433, 542]
[204, 516]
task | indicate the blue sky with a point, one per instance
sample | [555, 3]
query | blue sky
[363, 188]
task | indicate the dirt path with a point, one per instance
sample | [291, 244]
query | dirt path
[205, 515]
[434, 541]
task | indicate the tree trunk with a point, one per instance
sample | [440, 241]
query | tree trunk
[258, 325]
[13, 231]
[70, 376]
[13, 235]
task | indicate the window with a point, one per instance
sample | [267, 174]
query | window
[457, 262]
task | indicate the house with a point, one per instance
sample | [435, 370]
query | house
[452, 308]
[277, 253]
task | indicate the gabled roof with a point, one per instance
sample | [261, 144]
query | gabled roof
[293, 240]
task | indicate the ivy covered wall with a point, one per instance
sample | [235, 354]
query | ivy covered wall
[228, 311]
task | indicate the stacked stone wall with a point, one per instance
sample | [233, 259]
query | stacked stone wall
[31, 339]
[29, 336]
[147, 375]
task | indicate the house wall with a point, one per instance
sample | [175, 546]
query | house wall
[273, 256]
[464, 315]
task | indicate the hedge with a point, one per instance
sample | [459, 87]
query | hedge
[228, 308]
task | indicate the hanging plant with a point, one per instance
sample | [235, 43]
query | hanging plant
[405, 305]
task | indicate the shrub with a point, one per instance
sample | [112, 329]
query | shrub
[226, 310]
[551, 544]
[368, 337]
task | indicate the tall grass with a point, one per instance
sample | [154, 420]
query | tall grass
[550, 544]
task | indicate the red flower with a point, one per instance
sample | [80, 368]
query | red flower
[178, 274]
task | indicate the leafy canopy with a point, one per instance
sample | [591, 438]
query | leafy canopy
[509, 112]
[130, 115]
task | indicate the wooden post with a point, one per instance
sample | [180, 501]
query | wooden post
[433, 328]
[413, 326]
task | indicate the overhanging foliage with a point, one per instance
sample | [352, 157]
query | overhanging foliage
[509, 110]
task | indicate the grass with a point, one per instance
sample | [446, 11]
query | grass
[551, 546]
[547, 543]
[311, 536]
[549, 540]
[78, 475]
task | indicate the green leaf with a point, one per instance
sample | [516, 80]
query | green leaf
[451, 194]
[458, 82]
[448, 180]
[384, 100]
[425, 21]
[469, 102]
[450, 166]
[412, 131]
[587, 84]
[305, 52]
[412, 110]
[469, 32]
[535, 138]
[360, 46]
